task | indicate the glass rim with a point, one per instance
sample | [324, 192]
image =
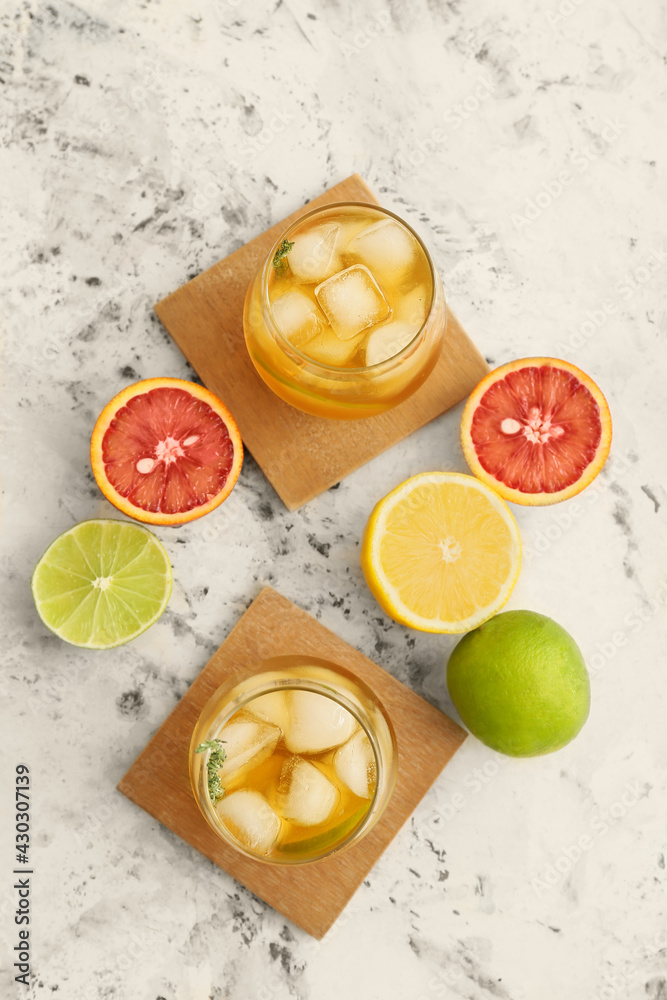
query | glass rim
[275, 682]
[318, 365]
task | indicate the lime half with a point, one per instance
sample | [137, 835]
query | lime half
[102, 583]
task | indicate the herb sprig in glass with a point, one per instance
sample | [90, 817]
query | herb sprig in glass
[213, 765]
[279, 261]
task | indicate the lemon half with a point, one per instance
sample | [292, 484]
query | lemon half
[441, 552]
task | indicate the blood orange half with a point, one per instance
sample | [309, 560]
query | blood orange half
[537, 431]
[166, 451]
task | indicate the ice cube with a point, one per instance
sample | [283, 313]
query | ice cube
[355, 765]
[249, 817]
[297, 317]
[413, 306]
[352, 301]
[247, 743]
[307, 795]
[271, 708]
[317, 723]
[386, 248]
[328, 349]
[388, 340]
[313, 256]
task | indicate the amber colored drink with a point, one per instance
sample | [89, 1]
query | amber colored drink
[346, 317]
[309, 761]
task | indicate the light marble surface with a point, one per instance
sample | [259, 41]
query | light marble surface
[141, 142]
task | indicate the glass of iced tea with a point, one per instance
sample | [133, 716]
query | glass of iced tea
[293, 762]
[346, 317]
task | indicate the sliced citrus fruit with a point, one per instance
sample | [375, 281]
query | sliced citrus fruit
[441, 552]
[536, 430]
[102, 583]
[166, 451]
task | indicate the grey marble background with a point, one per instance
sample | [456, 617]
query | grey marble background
[140, 143]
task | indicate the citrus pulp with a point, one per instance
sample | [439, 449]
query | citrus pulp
[102, 583]
[441, 552]
[166, 451]
[537, 430]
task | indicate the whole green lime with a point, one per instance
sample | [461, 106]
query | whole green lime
[519, 683]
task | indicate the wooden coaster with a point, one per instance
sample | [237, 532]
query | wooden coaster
[300, 455]
[312, 895]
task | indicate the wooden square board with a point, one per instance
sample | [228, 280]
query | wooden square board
[300, 455]
[312, 895]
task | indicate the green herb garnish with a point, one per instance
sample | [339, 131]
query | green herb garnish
[214, 763]
[279, 261]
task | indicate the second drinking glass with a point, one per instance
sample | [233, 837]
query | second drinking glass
[293, 761]
[346, 316]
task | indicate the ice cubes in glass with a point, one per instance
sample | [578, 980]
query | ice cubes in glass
[352, 301]
[250, 818]
[307, 796]
[316, 724]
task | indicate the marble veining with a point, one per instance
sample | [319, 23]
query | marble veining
[140, 144]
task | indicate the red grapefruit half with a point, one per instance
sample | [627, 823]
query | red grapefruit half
[536, 430]
[166, 451]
